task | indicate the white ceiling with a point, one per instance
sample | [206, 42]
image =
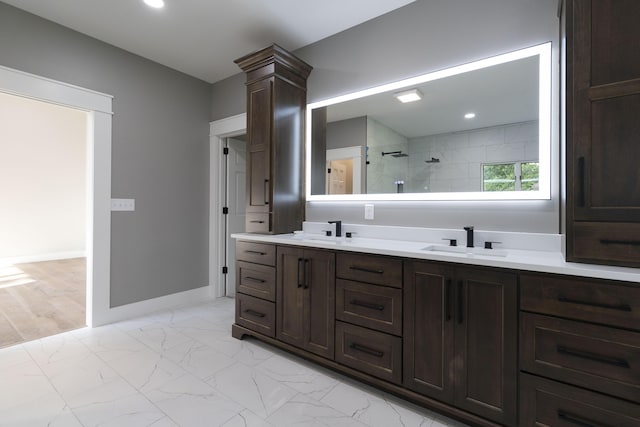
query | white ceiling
[203, 37]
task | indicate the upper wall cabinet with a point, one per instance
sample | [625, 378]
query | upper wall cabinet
[276, 100]
[603, 131]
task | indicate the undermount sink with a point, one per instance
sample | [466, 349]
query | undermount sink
[465, 250]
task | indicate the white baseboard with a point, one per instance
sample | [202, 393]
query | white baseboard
[42, 257]
[136, 309]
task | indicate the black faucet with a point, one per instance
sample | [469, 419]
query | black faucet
[338, 227]
[469, 231]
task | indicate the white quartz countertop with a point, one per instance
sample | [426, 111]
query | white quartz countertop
[545, 261]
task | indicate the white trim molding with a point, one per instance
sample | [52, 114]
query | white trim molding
[219, 130]
[99, 106]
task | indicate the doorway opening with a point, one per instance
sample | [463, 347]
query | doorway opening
[98, 107]
[43, 180]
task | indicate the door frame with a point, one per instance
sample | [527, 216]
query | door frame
[219, 130]
[98, 232]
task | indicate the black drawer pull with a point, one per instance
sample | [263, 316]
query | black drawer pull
[574, 419]
[266, 191]
[460, 303]
[447, 301]
[256, 252]
[301, 273]
[620, 242]
[619, 307]
[254, 313]
[366, 270]
[581, 182]
[255, 221]
[253, 279]
[367, 305]
[365, 349]
[592, 356]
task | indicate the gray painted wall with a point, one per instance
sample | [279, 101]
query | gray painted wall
[425, 36]
[160, 151]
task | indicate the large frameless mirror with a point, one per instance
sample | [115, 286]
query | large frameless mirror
[478, 131]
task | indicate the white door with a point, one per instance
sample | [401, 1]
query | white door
[235, 220]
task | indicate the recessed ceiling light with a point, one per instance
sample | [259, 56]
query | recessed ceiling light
[408, 95]
[155, 3]
[469, 115]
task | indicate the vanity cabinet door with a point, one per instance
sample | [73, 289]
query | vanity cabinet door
[486, 343]
[428, 329]
[460, 337]
[305, 309]
[603, 105]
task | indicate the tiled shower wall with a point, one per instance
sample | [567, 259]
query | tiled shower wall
[462, 154]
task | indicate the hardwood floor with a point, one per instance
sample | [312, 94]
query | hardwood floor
[41, 299]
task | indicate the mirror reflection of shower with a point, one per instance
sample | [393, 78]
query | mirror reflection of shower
[394, 154]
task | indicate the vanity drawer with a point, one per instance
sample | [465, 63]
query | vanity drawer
[256, 280]
[590, 356]
[548, 403]
[606, 242]
[372, 306]
[379, 270]
[258, 223]
[598, 301]
[372, 352]
[259, 253]
[256, 314]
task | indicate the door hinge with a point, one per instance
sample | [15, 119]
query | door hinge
[225, 151]
[225, 211]
[225, 270]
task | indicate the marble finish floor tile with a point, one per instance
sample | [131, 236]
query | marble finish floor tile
[182, 368]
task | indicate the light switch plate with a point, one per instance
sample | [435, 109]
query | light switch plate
[123, 204]
[368, 211]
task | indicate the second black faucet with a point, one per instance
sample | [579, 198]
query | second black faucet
[469, 231]
[338, 227]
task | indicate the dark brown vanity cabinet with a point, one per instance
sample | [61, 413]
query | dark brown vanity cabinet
[369, 314]
[276, 101]
[305, 308]
[579, 351]
[256, 287]
[603, 129]
[460, 337]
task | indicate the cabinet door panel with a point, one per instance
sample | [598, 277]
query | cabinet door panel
[289, 310]
[259, 136]
[320, 305]
[486, 343]
[428, 330]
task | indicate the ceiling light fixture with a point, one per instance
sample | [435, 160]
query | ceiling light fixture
[155, 3]
[408, 95]
[469, 115]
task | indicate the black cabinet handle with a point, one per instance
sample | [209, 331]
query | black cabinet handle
[255, 221]
[620, 242]
[254, 279]
[460, 303]
[581, 183]
[306, 273]
[368, 350]
[266, 191]
[593, 356]
[300, 273]
[447, 300]
[367, 305]
[619, 307]
[256, 252]
[366, 270]
[574, 419]
[254, 313]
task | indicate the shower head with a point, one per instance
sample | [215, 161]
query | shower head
[433, 160]
[395, 154]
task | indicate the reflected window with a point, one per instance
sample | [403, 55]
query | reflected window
[513, 176]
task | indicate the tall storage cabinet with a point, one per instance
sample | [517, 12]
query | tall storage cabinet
[276, 101]
[603, 131]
